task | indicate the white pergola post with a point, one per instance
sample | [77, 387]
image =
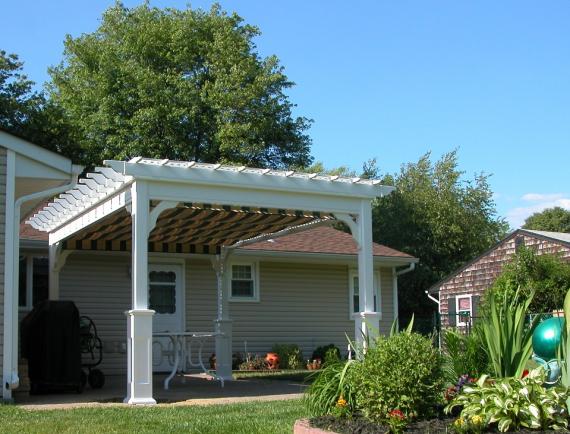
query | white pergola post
[223, 323]
[139, 319]
[367, 322]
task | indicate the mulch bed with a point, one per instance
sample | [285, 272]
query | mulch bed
[359, 425]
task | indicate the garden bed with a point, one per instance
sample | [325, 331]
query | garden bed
[359, 425]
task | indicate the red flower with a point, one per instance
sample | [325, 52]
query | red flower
[397, 414]
[525, 373]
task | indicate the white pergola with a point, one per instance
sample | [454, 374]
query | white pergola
[189, 207]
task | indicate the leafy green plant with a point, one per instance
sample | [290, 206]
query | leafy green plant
[512, 403]
[331, 392]
[290, 356]
[253, 363]
[402, 372]
[564, 349]
[507, 339]
[464, 354]
[326, 352]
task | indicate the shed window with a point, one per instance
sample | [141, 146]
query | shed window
[464, 309]
[244, 285]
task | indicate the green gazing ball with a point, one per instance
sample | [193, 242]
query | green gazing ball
[546, 338]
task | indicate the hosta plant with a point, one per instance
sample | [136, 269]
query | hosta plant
[513, 403]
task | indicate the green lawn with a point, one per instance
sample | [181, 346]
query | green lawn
[297, 375]
[247, 418]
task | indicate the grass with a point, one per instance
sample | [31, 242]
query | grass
[246, 418]
[299, 375]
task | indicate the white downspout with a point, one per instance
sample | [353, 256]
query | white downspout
[436, 301]
[395, 275]
[432, 298]
[10, 360]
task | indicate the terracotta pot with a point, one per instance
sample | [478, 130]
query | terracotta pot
[272, 360]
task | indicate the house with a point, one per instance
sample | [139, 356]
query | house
[29, 175]
[247, 254]
[459, 293]
[300, 288]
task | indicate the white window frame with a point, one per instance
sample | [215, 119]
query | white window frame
[458, 313]
[352, 273]
[255, 277]
[29, 280]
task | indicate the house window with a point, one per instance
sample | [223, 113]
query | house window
[464, 309]
[162, 291]
[33, 281]
[354, 294]
[244, 282]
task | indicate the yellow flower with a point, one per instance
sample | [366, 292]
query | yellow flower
[459, 422]
[477, 420]
[341, 402]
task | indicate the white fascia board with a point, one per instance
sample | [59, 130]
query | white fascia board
[249, 181]
[324, 258]
[36, 152]
[92, 215]
[245, 196]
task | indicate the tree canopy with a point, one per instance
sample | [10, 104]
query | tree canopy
[437, 216]
[555, 219]
[179, 84]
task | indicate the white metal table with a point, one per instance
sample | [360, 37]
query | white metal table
[182, 348]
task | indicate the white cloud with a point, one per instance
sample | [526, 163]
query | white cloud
[539, 202]
[537, 197]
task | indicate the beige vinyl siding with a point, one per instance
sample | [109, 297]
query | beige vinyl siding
[2, 247]
[299, 303]
[100, 287]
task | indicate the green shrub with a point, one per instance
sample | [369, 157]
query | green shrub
[331, 392]
[464, 354]
[548, 276]
[512, 403]
[401, 372]
[327, 353]
[290, 356]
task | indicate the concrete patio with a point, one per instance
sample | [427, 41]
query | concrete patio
[190, 390]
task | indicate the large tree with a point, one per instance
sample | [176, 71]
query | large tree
[180, 84]
[555, 219]
[27, 113]
[19, 103]
[438, 216]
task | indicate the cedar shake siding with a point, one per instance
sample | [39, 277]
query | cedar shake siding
[478, 275]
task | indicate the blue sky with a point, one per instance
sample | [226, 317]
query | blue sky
[393, 80]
